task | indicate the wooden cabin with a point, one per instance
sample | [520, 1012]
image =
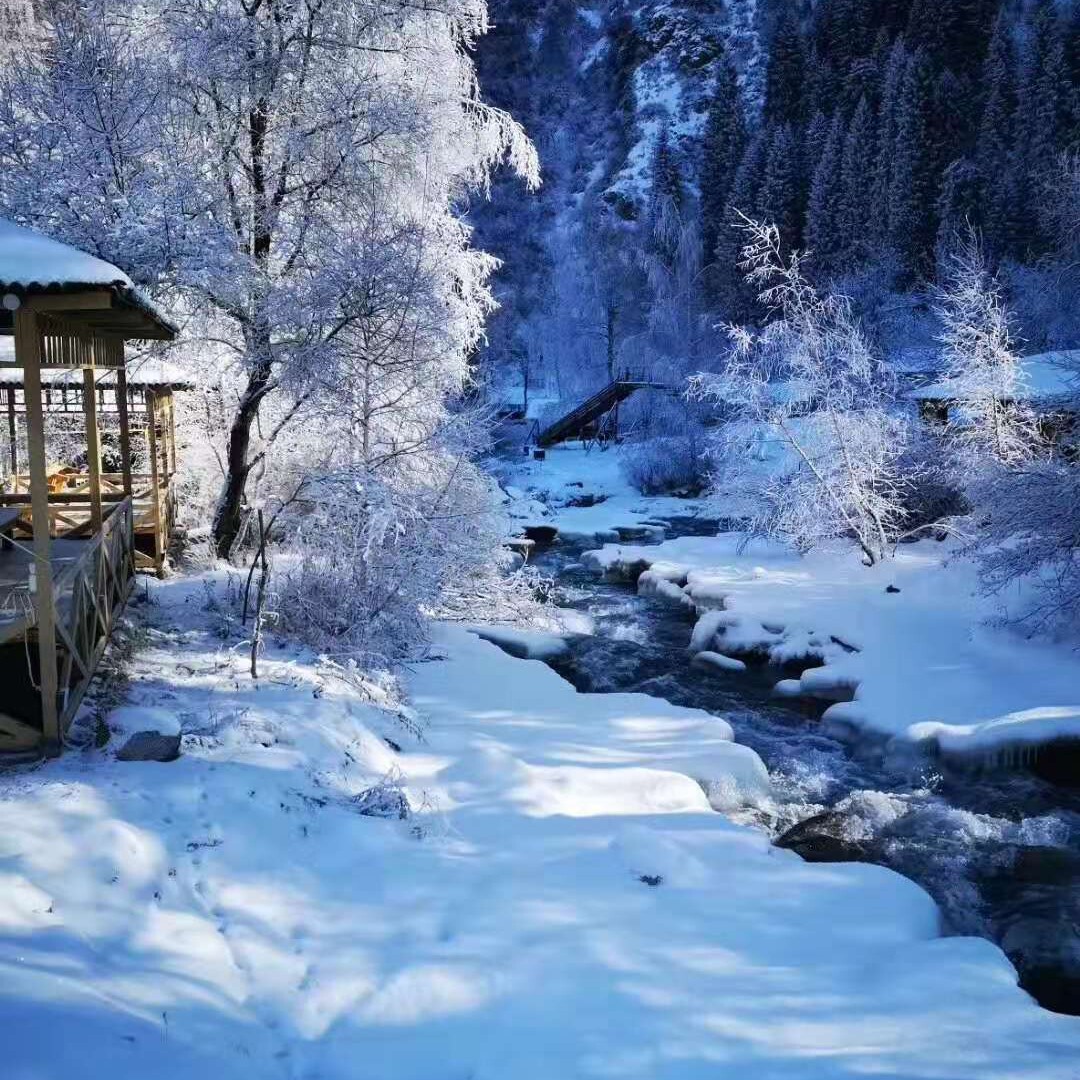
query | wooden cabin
[1049, 383]
[67, 554]
[151, 389]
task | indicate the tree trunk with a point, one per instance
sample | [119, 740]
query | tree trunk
[229, 514]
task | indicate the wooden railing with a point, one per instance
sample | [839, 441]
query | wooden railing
[71, 512]
[89, 592]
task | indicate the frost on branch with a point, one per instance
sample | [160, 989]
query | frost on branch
[809, 434]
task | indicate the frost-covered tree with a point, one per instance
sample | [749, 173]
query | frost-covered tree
[810, 382]
[983, 369]
[270, 159]
[287, 177]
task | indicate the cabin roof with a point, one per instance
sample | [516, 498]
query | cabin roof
[34, 264]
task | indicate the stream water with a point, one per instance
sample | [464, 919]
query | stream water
[1000, 852]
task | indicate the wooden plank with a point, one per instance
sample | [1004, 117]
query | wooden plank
[93, 446]
[125, 426]
[97, 300]
[15, 735]
[28, 355]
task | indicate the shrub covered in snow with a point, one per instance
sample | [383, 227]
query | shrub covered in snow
[666, 464]
[369, 557]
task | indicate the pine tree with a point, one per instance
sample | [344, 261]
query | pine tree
[961, 207]
[825, 209]
[1039, 128]
[994, 146]
[859, 215]
[1041, 105]
[780, 201]
[888, 118]
[667, 200]
[722, 152]
[913, 188]
[734, 299]
[667, 181]
[785, 75]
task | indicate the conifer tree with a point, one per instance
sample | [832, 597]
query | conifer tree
[825, 210]
[1038, 134]
[994, 145]
[733, 297]
[913, 187]
[722, 152]
[961, 207]
[785, 75]
[780, 201]
[859, 213]
[888, 117]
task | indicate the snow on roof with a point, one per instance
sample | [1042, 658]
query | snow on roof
[1045, 376]
[140, 373]
[30, 260]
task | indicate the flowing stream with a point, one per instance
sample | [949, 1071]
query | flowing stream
[1000, 852]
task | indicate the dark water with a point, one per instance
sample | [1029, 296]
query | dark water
[1000, 852]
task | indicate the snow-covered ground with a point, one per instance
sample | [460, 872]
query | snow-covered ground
[509, 878]
[562, 900]
[542, 493]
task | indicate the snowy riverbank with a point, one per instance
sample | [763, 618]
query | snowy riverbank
[561, 900]
[912, 640]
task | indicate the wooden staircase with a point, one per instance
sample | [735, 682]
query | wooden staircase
[577, 422]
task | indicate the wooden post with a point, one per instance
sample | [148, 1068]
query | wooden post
[172, 432]
[125, 426]
[155, 472]
[13, 436]
[28, 355]
[93, 446]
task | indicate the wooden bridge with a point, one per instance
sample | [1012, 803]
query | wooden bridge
[590, 416]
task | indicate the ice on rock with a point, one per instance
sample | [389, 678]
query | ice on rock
[524, 644]
[718, 660]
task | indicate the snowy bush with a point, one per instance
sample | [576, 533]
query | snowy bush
[809, 385]
[1029, 545]
[668, 447]
[368, 558]
[667, 464]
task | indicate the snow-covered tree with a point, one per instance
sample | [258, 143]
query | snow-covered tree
[809, 383]
[983, 368]
[285, 166]
[287, 176]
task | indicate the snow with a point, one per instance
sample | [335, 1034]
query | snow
[1045, 376]
[562, 900]
[30, 260]
[542, 490]
[528, 645]
[720, 661]
[925, 665]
